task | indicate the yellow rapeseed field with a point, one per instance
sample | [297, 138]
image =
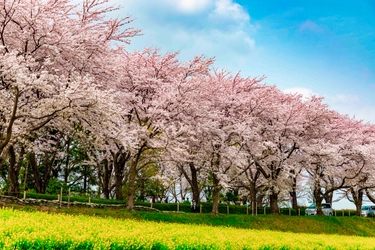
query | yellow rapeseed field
[38, 230]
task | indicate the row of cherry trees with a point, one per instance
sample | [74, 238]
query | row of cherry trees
[76, 105]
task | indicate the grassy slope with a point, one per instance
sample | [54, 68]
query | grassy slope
[297, 224]
[37, 230]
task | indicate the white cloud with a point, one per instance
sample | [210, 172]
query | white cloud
[344, 104]
[305, 92]
[309, 25]
[357, 110]
[229, 10]
[345, 98]
[214, 42]
[190, 6]
[165, 27]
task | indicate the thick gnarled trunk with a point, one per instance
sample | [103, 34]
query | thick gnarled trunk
[192, 180]
[273, 202]
[14, 170]
[253, 196]
[318, 200]
[194, 183]
[131, 187]
[119, 160]
[357, 197]
[105, 175]
[215, 195]
[293, 193]
[131, 181]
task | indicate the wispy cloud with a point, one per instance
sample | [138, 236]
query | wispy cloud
[305, 92]
[229, 10]
[311, 26]
[344, 104]
[190, 6]
[219, 28]
[344, 98]
[356, 110]
[213, 42]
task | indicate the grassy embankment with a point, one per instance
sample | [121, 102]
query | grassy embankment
[37, 230]
[353, 225]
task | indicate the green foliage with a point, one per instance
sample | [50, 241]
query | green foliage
[74, 198]
[230, 196]
[54, 186]
[187, 208]
[41, 196]
[233, 209]
[4, 187]
[346, 213]
[207, 208]
[183, 207]
[146, 184]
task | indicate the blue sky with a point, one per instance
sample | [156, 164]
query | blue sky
[321, 47]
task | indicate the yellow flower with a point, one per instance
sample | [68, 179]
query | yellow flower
[19, 228]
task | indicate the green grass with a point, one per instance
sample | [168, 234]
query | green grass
[316, 225]
[75, 198]
[358, 226]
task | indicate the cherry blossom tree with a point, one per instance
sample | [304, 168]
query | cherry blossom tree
[334, 160]
[223, 102]
[362, 160]
[273, 139]
[53, 55]
[147, 97]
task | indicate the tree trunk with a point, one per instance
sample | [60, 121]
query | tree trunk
[273, 202]
[34, 166]
[370, 196]
[85, 179]
[182, 192]
[119, 160]
[192, 180]
[47, 173]
[66, 172]
[293, 194]
[1, 162]
[194, 183]
[358, 208]
[319, 210]
[131, 187]
[41, 178]
[293, 199]
[259, 198]
[119, 176]
[131, 181]
[5, 138]
[318, 200]
[215, 196]
[106, 177]
[357, 199]
[14, 170]
[273, 194]
[328, 197]
[253, 195]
